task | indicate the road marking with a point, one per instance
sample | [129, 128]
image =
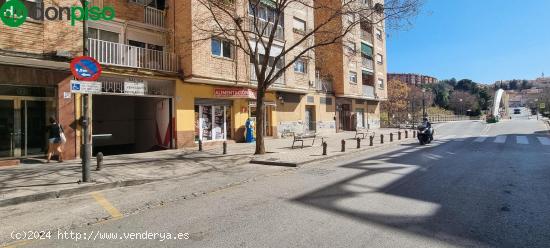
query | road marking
[480, 139]
[543, 140]
[522, 140]
[103, 202]
[500, 139]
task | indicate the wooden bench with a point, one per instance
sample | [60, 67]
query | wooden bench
[363, 132]
[306, 136]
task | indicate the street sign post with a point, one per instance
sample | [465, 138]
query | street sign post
[86, 70]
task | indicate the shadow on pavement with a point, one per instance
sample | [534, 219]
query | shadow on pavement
[463, 193]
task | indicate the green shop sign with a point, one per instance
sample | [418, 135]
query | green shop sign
[14, 13]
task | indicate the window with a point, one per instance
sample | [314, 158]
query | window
[379, 34]
[221, 48]
[350, 46]
[104, 35]
[145, 45]
[300, 66]
[353, 77]
[379, 58]
[380, 83]
[299, 25]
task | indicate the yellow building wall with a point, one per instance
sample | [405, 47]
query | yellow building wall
[186, 93]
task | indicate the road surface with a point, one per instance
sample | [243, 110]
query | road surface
[476, 185]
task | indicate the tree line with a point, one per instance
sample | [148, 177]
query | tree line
[461, 97]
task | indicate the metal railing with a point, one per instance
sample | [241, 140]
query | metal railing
[111, 53]
[264, 28]
[254, 77]
[367, 63]
[323, 85]
[154, 16]
[368, 91]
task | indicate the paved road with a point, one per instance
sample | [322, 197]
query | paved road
[477, 185]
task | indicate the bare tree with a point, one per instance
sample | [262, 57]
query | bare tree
[243, 23]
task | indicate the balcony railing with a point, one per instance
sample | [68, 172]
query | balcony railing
[154, 16]
[254, 77]
[367, 63]
[366, 36]
[368, 91]
[111, 53]
[323, 85]
[264, 28]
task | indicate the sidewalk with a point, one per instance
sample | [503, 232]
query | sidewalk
[38, 181]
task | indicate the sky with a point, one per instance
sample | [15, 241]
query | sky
[482, 40]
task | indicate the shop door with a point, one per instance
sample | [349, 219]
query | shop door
[23, 127]
[360, 118]
[7, 128]
[310, 118]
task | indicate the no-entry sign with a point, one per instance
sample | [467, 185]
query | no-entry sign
[85, 68]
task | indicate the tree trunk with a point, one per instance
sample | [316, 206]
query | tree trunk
[260, 121]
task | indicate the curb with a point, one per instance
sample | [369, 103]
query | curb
[337, 155]
[73, 191]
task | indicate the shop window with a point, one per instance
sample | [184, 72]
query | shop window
[212, 122]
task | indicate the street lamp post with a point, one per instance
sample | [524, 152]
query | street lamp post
[423, 103]
[461, 107]
[537, 107]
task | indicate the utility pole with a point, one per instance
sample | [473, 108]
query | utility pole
[87, 146]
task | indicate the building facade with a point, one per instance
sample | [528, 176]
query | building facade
[163, 89]
[412, 79]
[357, 66]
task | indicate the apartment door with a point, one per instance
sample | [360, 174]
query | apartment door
[360, 118]
[310, 118]
[345, 117]
[23, 126]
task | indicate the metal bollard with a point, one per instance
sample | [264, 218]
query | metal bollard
[358, 143]
[399, 135]
[343, 145]
[406, 134]
[200, 145]
[381, 139]
[371, 143]
[391, 137]
[324, 148]
[224, 147]
[99, 159]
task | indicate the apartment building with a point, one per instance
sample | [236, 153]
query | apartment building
[412, 79]
[133, 113]
[218, 92]
[164, 87]
[357, 65]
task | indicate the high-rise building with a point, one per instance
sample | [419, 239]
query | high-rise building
[412, 79]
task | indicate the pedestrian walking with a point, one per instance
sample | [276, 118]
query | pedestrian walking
[56, 139]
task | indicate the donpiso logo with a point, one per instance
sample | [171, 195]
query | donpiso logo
[14, 13]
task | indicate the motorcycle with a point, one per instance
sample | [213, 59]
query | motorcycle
[425, 135]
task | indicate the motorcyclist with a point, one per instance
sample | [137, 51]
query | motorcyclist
[426, 123]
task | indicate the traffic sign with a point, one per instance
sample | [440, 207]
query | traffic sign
[85, 68]
[85, 87]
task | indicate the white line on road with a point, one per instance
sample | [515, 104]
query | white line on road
[545, 141]
[500, 139]
[480, 139]
[522, 140]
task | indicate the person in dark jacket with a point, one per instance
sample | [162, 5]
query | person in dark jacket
[54, 140]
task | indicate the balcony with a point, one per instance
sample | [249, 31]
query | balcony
[265, 28]
[117, 54]
[367, 64]
[154, 17]
[366, 36]
[368, 91]
[323, 84]
[254, 78]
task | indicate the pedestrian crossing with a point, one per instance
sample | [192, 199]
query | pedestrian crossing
[500, 139]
